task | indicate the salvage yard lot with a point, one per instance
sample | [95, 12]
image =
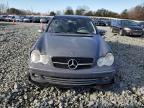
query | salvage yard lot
[16, 91]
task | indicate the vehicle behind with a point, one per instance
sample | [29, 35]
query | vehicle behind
[36, 19]
[101, 23]
[126, 27]
[2, 17]
[27, 19]
[9, 18]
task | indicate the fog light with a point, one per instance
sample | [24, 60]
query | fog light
[35, 75]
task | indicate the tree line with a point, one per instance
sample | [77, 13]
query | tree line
[84, 11]
[136, 13]
[5, 10]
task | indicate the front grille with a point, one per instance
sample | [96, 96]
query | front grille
[137, 31]
[82, 63]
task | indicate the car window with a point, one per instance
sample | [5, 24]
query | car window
[72, 25]
[128, 23]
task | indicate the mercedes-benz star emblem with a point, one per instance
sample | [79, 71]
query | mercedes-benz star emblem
[72, 64]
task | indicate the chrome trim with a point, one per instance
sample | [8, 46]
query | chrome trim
[71, 63]
[60, 63]
[85, 64]
[78, 63]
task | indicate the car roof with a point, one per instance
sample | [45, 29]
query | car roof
[71, 16]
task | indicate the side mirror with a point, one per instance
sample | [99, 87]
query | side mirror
[102, 32]
[43, 20]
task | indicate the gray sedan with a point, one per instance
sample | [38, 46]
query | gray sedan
[71, 52]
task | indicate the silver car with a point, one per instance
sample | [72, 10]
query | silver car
[71, 52]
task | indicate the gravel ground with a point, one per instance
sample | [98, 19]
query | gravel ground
[17, 92]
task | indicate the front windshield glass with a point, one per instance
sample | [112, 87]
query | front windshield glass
[129, 23]
[71, 26]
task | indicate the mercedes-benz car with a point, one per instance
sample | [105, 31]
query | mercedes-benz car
[71, 52]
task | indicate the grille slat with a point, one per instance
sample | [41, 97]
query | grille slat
[62, 62]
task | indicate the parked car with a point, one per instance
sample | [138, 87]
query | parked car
[71, 52]
[3, 17]
[101, 32]
[108, 23]
[36, 19]
[19, 18]
[27, 19]
[141, 24]
[100, 23]
[126, 27]
[10, 18]
[46, 19]
[43, 19]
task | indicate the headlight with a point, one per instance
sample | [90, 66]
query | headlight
[44, 59]
[37, 57]
[108, 60]
[101, 61]
[127, 29]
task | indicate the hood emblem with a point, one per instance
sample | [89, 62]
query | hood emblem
[72, 64]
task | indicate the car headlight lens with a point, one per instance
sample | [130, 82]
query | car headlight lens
[127, 29]
[108, 60]
[37, 57]
[101, 61]
[44, 59]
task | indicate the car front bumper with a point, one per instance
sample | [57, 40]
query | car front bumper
[66, 77]
[134, 33]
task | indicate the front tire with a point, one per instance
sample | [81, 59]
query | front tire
[112, 30]
[121, 32]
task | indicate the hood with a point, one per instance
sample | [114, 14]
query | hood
[72, 45]
[134, 27]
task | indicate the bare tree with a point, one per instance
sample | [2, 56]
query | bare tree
[69, 11]
[136, 13]
[3, 8]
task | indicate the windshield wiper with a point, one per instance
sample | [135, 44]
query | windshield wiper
[82, 33]
[58, 32]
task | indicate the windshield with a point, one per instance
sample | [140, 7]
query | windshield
[17, 17]
[72, 26]
[129, 23]
[141, 24]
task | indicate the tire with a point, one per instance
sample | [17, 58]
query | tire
[121, 32]
[112, 30]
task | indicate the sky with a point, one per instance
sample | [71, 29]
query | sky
[60, 5]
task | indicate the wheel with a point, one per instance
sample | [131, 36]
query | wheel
[112, 30]
[121, 32]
